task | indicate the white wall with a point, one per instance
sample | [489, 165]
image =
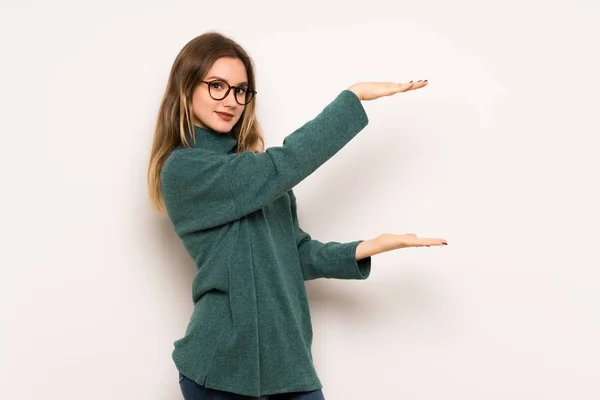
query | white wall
[497, 155]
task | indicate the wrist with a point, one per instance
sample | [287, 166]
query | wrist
[367, 248]
[355, 90]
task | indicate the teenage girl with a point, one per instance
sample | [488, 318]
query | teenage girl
[231, 203]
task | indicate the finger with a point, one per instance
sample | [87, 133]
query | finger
[419, 84]
[430, 242]
[436, 242]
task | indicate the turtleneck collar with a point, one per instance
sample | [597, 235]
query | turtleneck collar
[214, 141]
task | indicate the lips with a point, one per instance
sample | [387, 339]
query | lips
[224, 116]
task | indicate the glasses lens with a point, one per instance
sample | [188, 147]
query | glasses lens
[218, 89]
[241, 94]
[249, 95]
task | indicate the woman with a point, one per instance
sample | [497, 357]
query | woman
[232, 205]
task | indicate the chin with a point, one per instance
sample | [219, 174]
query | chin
[223, 126]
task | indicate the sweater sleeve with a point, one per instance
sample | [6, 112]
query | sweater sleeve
[204, 189]
[327, 260]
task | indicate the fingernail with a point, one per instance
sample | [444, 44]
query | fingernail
[410, 82]
[418, 81]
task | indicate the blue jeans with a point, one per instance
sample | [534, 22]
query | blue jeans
[192, 391]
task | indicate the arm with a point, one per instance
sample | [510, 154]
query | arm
[203, 189]
[328, 260]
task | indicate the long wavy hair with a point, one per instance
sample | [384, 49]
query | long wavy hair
[174, 125]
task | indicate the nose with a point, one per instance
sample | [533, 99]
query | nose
[229, 100]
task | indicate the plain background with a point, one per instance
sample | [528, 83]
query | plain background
[498, 155]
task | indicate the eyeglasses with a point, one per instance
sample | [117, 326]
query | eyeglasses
[218, 90]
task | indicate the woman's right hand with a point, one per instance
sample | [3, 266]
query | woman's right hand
[375, 90]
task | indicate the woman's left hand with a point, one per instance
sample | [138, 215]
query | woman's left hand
[392, 241]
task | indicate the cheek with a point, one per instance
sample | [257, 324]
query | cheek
[201, 105]
[241, 110]
[240, 115]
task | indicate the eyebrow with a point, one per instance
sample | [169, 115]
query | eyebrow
[223, 79]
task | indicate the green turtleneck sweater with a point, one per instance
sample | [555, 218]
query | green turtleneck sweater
[250, 331]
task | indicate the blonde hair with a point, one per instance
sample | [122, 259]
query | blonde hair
[175, 116]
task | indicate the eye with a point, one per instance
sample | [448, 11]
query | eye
[216, 85]
[242, 90]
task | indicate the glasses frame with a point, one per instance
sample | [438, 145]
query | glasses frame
[229, 87]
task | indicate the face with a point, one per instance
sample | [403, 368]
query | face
[220, 115]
